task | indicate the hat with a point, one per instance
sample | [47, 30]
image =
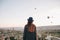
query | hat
[30, 19]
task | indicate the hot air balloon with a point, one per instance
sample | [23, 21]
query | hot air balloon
[48, 17]
[35, 8]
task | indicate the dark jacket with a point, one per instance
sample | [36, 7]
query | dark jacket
[29, 32]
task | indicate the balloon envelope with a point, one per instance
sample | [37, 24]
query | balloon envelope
[48, 17]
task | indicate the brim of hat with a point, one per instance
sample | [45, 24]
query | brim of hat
[30, 20]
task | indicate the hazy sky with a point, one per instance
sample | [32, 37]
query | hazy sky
[14, 13]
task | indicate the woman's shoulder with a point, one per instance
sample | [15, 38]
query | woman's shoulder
[26, 26]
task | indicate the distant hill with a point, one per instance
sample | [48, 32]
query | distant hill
[13, 28]
[49, 28]
[53, 27]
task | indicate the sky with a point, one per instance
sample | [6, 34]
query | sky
[14, 13]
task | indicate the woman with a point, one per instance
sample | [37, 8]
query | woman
[29, 30]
